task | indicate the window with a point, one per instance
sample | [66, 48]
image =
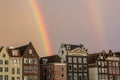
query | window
[79, 60]
[105, 63]
[35, 69]
[106, 77]
[14, 61]
[70, 76]
[85, 68]
[1, 61]
[84, 60]
[85, 76]
[99, 69]
[45, 61]
[3, 55]
[75, 60]
[30, 60]
[35, 60]
[13, 70]
[18, 78]
[75, 67]
[25, 77]
[18, 70]
[62, 69]
[62, 52]
[13, 78]
[80, 76]
[117, 77]
[69, 67]
[111, 77]
[6, 69]
[80, 68]
[25, 69]
[117, 70]
[44, 70]
[1, 69]
[25, 60]
[69, 59]
[110, 70]
[18, 61]
[62, 75]
[99, 63]
[1, 77]
[116, 63]
[30, 68]
[6, 77]
[30, 77]
[75, 76]
[103, 70]
[35, 78]
[102, 63]
[113, 70]
[110, 63]
[15, 52]
[6, 61]
[30, 51]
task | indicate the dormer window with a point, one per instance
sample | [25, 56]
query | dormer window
[68, 47]
[15, 52]
[45, 61]
[30, 51]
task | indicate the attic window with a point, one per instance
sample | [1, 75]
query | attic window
[15, 52]
[101, 57]
[30, 51]
[68, 47]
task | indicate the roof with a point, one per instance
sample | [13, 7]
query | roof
[51, 59]
[1, 48]
[72, 46]
[22, 49]
[92, 57]
[10, 52]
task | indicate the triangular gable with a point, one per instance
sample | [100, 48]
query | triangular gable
[30, 47]
[78, 51]
[4, 51]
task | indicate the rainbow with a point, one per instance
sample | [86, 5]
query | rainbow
[94, 10]
[41, 24]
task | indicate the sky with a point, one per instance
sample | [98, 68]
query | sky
[93, 23]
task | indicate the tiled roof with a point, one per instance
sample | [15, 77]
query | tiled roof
[51, 59]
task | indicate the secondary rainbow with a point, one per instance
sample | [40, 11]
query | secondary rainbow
[41, 24]
[95, 12]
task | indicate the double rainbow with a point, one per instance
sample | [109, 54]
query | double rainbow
[95, 12]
